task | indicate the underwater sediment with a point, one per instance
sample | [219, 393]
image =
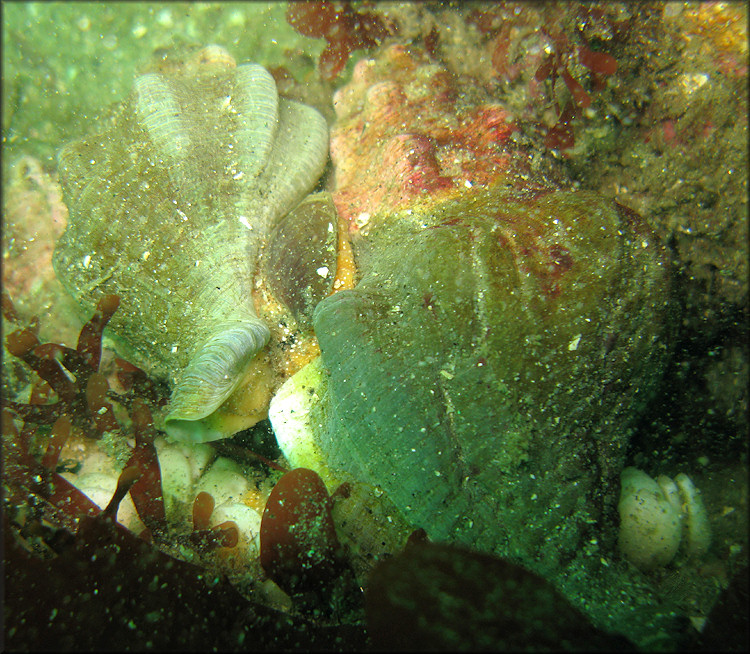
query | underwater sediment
[501, 332]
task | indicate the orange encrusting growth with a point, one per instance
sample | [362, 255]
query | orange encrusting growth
[346, 268]
[405, 133]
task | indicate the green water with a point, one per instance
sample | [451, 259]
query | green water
[63, 63]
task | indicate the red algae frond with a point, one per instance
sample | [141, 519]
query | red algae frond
[84, 404]
[344, 28]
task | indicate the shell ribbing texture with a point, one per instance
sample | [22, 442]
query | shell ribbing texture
[271, 160]
[465, 364]
[169, 207]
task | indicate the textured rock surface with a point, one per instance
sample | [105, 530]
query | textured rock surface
[406, 130]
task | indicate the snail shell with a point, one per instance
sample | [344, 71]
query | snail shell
[505, 330]
[170, 207]
[484, 370]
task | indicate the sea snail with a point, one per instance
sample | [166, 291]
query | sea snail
[170, 206]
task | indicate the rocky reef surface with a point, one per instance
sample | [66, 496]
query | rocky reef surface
[644, 111]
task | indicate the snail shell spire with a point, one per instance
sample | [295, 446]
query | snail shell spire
[169, 209]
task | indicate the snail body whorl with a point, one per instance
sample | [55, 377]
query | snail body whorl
[170, 207]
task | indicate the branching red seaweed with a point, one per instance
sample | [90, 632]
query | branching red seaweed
[73, 375]
[204, 537]
[575, 40]
[55, 533]
[344, 27]
[104, 588]
[83, 403]
[557, 65]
